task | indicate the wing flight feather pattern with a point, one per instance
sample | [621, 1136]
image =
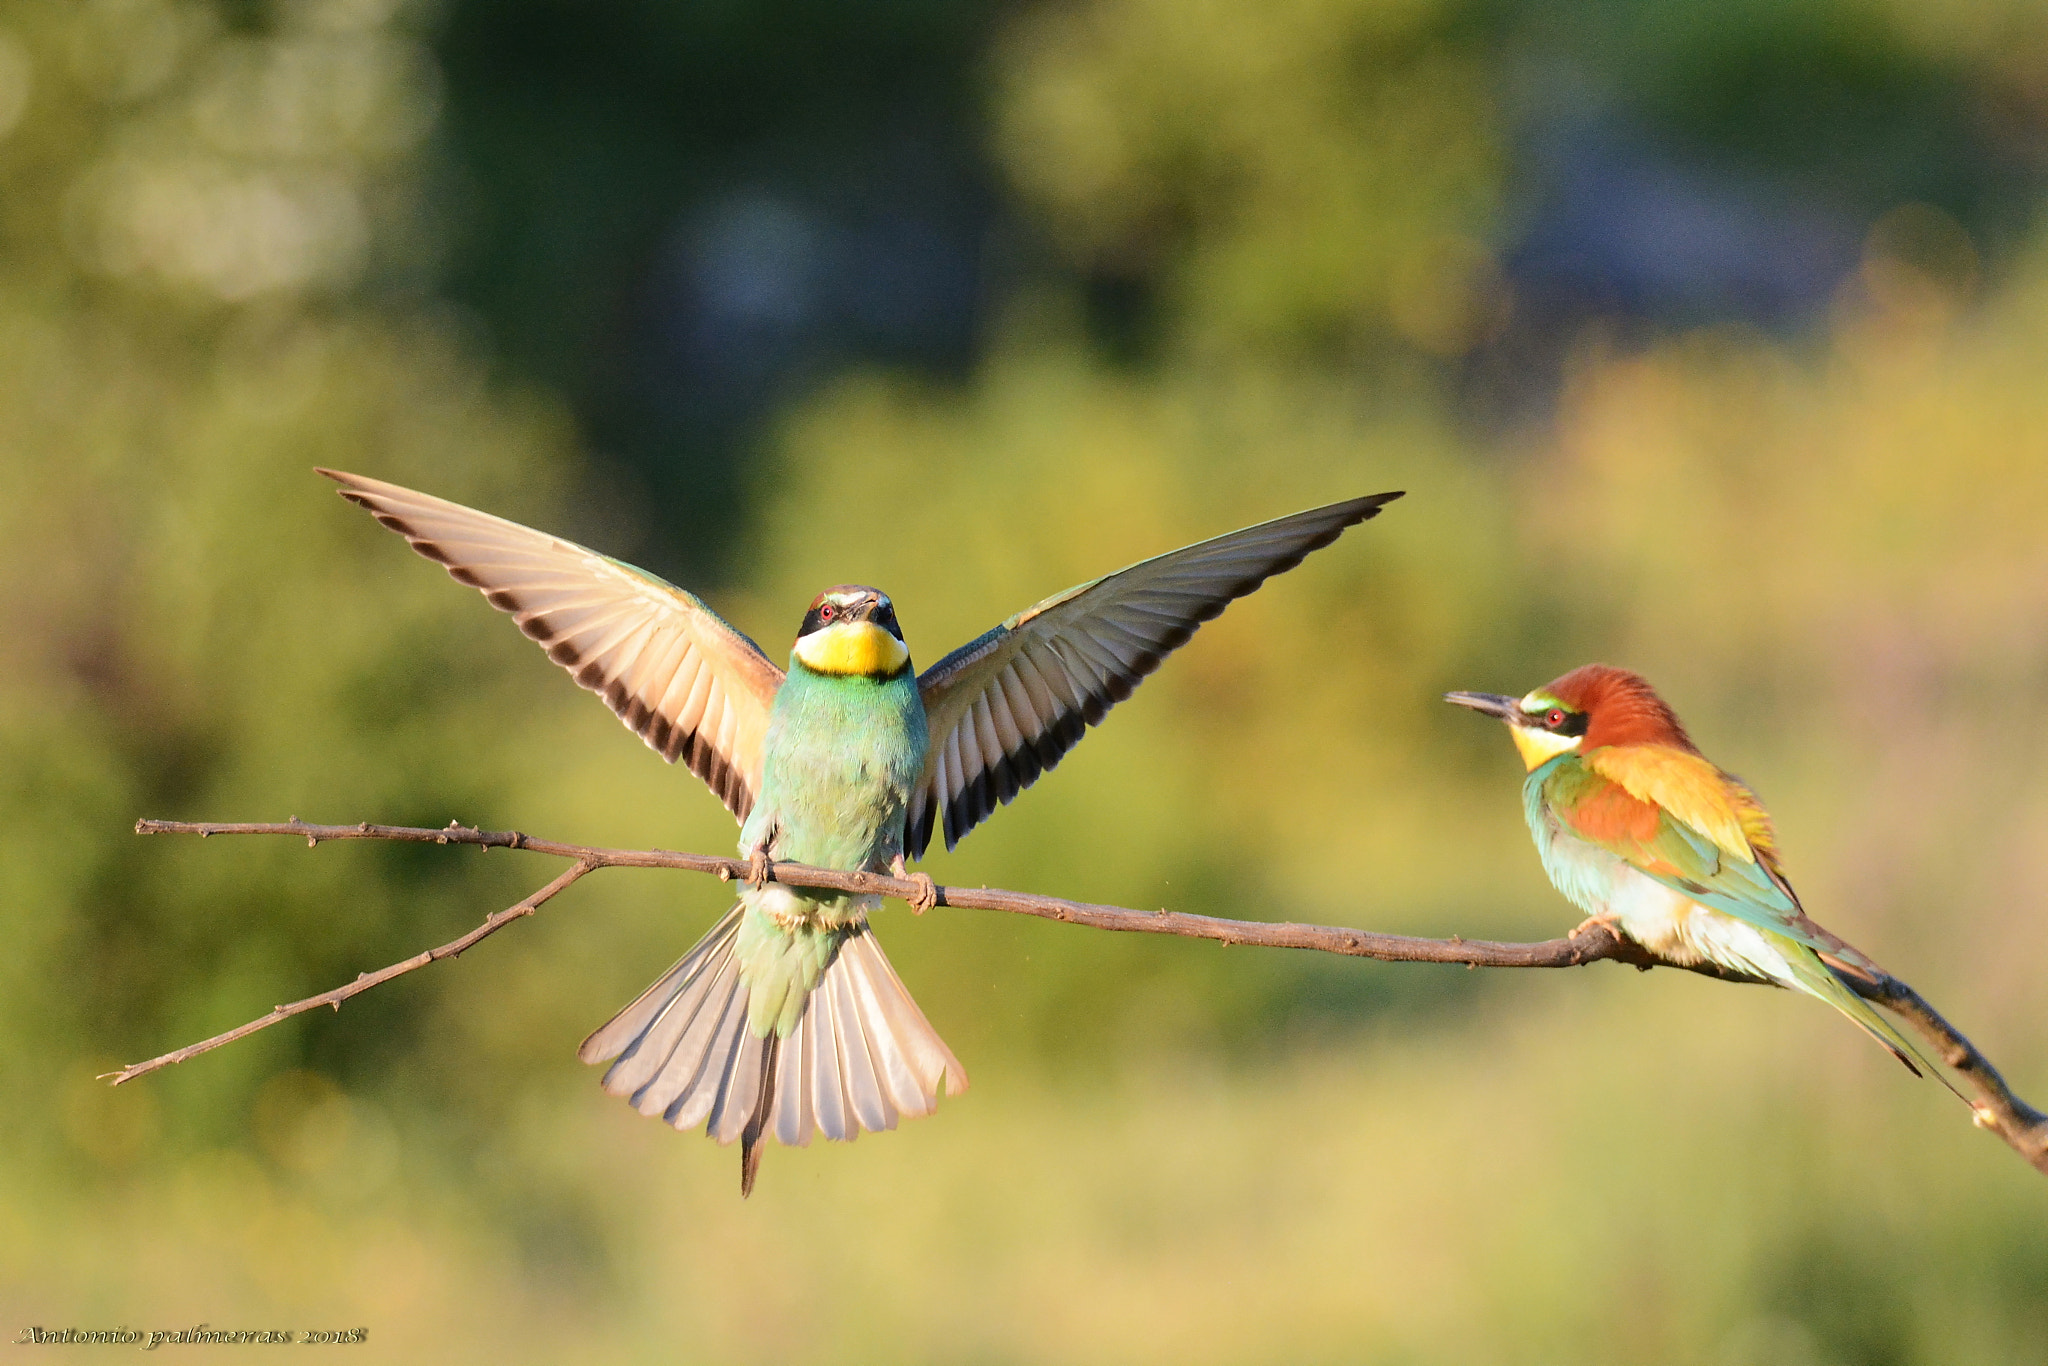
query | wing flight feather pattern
[680, 678]
[1007, 707]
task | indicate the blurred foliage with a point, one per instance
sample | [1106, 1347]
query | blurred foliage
[1865, 104]
[1260, 248]
[675, 213]
[1284, 171]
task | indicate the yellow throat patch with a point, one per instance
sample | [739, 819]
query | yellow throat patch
[852, 647]
[1539, 747]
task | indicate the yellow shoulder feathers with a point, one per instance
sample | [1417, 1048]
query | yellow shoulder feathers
[1693, 791]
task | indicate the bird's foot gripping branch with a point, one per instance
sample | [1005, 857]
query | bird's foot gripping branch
[1993, 1104]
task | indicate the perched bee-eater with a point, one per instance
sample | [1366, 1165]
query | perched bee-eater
[786, 1017]
[1646, 836]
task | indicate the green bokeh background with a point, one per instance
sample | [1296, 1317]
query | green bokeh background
[1235, 259]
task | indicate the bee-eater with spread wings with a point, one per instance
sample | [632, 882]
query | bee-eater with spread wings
[1645, 835]
[786, 1017]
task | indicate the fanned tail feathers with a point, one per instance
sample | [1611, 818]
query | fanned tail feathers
[861, 1055]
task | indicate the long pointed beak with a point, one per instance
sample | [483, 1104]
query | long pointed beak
[1508, 709]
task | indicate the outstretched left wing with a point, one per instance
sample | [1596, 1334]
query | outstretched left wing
[680, 678]
[1007, 707]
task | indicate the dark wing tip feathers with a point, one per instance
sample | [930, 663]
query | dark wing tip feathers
[999, 783]
[702, 757]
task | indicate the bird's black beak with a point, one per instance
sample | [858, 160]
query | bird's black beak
[879, 612]
[1508, 709]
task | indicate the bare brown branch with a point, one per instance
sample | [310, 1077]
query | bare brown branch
[1996, 1107]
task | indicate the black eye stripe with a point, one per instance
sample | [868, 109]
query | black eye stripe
[1569, 723]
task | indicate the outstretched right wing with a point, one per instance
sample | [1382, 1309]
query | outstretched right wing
[680, 678]
[1008, 706]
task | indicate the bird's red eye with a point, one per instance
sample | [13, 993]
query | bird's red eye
[1554, 718]
[827, 612]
